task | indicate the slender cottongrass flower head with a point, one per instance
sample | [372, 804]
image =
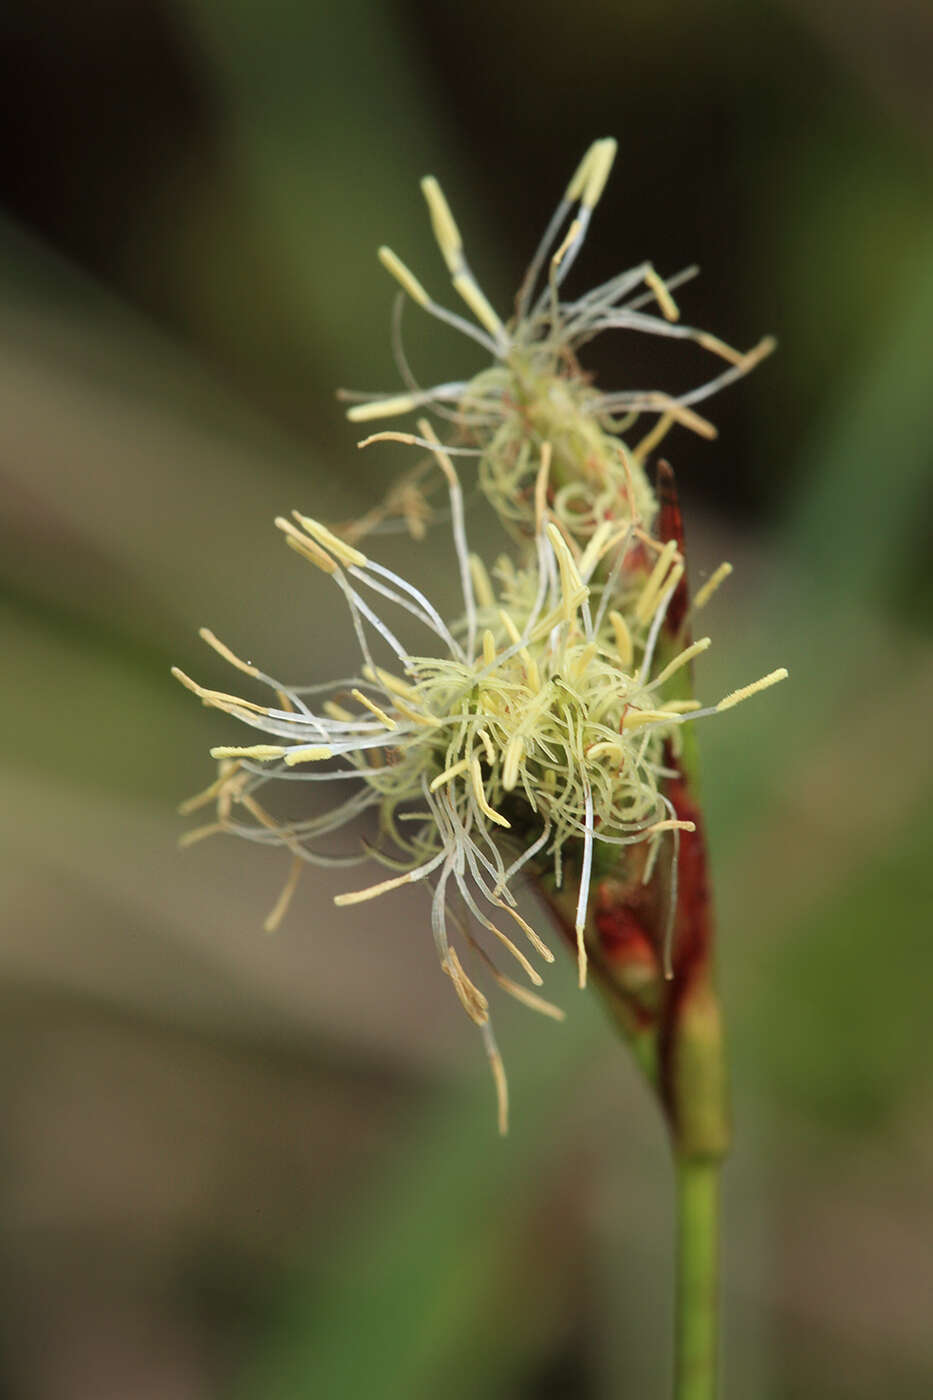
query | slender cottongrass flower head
[534, 391]
[535, 722]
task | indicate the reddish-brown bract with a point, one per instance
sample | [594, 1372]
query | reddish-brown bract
[671, 527]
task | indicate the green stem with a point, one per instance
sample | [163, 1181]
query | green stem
[697, 1294]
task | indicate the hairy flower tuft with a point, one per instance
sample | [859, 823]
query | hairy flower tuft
[535, 391]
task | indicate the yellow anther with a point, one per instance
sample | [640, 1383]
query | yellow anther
[532, 674]
[603, 153]
[737, 696]
[581, 955]
[606, 746]
[669, 824]
[218, 698]
[233, 778]
[522, 994]
[187, 682]
[262, 816]
[681, 707]
[572, 233]
[557, 615]
[533, 938]
[247, 667]
[717, 577]
[374, 709]
[649, 595]
[480, 796]
[489, 648]
[374, 891]
[450, 773]
[262, 752]
[573, 589]
[277, 912]
[328, 540]
[579, 178]
[719, 347]
[508, 622]
[517, 953]
[300, 543]
[506, 569]
[502, 1090]
[686, 416]
[199, 833]
[541, 482]
[598, 545]
[404, 276]
[482, 585]
[765, 347]
[390, 407]
[510, 764]
[662, 296]
[232, 790]
[650, 441]
[310, 753]
[471, 998]
[581, 662]
[335, 711]
[634, 719]
[416, 716]
[478, 303]
[672, 582]
[451, 246]
[663, 403]
[426, 428]
[201, 799]
[389, 682]
[442, 222]
[487, 744]
[684, 657]
[623, 638]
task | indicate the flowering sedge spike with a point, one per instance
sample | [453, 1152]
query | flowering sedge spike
[534, 392]
[539, 724]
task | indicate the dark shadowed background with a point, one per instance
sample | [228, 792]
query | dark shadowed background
[240, 1166]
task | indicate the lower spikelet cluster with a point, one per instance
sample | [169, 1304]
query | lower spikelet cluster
[540, 723]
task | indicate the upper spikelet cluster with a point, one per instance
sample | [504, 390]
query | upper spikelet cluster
[534, 392]
[539, 724]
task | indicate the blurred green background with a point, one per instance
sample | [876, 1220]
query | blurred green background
[236, 1166]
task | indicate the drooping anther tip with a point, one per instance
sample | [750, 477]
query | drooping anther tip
[185, 680]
